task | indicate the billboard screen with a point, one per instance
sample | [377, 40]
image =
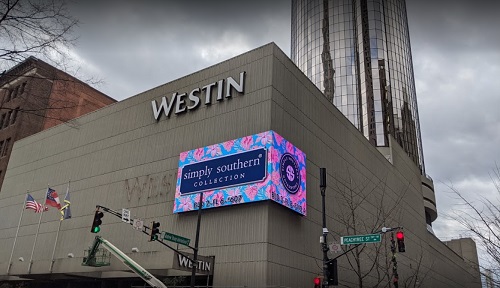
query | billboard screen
[258, 167]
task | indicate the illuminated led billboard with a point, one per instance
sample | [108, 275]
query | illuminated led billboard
[258, 167]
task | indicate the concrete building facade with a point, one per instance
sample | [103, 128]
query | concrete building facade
[128, 155]
[35, 96]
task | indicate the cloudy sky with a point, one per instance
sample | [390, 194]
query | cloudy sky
[136, 45]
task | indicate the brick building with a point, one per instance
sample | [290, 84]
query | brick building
[35, 96]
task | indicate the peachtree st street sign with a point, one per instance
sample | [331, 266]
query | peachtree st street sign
[358, 239]
[184, 102]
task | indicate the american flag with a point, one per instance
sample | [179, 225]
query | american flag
[33, 205]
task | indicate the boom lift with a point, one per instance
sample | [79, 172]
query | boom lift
[90, 260]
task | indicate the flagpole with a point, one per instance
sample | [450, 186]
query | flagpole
[37, 230]
[54, 250]
[57, 235]
[17, 232]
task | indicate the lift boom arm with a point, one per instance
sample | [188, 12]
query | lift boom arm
[138, 269]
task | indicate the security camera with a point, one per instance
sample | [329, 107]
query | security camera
[135, 249]
[21, 259]
[71, 255]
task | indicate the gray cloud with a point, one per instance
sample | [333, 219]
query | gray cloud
[455, 25]
[457, 60]
[139, 45]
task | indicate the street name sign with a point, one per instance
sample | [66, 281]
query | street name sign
[176, 238]
[359, 239]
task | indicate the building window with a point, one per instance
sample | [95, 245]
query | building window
[7, 119]
[22, 88]
[5, 147]
[1, 146]
[14, 92]
[2, 120]
[7, 95]
[13, 118]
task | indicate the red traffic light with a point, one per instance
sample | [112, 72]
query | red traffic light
[400, 235]
[317, 281]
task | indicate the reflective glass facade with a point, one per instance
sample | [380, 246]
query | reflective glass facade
[358, 53]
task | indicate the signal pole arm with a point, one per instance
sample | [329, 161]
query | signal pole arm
[136, 268]
[145, 229]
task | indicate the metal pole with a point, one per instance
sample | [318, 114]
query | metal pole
[322, 185]
[57, 235]
[395, 275]
[197, 237]
[55, 245]
[37, 230]
[17, 232]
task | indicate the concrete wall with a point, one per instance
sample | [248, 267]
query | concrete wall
[301, 114]
[466, 248]
[121, 157]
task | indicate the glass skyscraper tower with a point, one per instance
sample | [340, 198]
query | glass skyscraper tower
[357, 52]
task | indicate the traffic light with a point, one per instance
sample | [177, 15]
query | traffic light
[317, 282]
[154, 231]
[97, 222]
[400, 237]
[332, 272]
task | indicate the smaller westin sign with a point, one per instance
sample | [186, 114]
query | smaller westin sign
[359, 239]
[205, 264]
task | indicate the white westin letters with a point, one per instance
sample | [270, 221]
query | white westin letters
[184, 102]
[186, 262]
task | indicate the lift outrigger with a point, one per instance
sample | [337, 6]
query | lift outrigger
[90, 260]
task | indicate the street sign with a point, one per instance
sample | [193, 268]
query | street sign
[183, 262]
[138, 224]
[176, 238]
[335, 247]
[358, 239]
[125, 215]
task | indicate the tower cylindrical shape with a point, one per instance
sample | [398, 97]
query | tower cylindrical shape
[357, 52]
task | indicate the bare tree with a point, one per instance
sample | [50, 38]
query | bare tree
[40, 28]
[481, 220]
[356, 197]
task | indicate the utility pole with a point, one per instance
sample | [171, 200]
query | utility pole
[395, 276]
[197, 237]
[322, 186]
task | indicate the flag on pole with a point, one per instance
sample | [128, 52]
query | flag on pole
[65, 210]
[33, 205]
[52, 198]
